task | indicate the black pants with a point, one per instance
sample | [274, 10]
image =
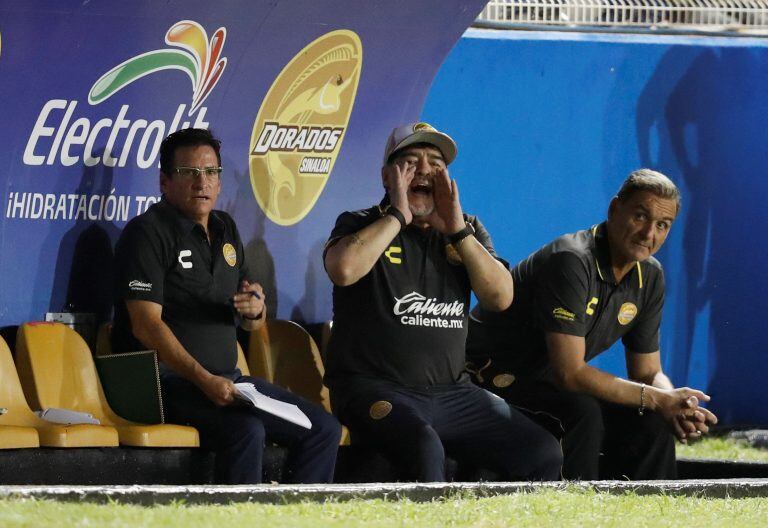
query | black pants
[414, 428]
[632, 446]
[237, 433]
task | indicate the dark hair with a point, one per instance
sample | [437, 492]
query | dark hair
[651, 181]
[186, 137]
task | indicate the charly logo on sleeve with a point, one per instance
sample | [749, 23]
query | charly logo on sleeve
[137, 285]
[301, 124]
[414, 309]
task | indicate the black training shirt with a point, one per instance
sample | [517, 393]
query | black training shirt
[164, 257]
[406, 320]
[568, 287]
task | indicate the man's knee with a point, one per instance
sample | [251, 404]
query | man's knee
[250, 431]
[583, 415]
[549, 457]
[326, 428]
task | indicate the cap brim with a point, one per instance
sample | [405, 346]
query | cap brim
[443, 142]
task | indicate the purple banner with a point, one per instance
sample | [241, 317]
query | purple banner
[302, 95]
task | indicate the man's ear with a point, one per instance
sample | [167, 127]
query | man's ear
[612, 207]
[384, 177]
[163, 180]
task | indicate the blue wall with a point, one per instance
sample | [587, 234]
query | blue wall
[548, 125]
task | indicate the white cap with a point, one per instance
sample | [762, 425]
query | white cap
[412, 133]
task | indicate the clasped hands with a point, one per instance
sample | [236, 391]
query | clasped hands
[687, 418]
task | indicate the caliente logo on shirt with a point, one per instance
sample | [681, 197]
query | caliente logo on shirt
[415, 309]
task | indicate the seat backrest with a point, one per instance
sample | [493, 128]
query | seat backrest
[56, 369]
[11, 395]
[283, 353]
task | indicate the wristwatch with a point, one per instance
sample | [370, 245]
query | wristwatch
[461, 235]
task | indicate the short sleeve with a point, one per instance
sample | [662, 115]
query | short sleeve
[348, 223]
[561, 292]
[482, 236]
[244, 273]
[141, 263]
[644, 336]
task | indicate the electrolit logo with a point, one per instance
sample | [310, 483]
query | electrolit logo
[59, 136]
[198, 57]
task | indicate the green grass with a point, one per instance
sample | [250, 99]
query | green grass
[546, 508]
[724, 449]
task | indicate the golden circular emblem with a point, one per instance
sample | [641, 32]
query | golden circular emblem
[627, 312]
[380, 409]
[230, 255]
[301, 124]
[503, 380]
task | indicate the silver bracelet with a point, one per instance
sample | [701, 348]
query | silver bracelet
[641, 409]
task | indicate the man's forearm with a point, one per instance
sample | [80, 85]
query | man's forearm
[352, 257]
[157, 336]
[490, 280]
[602, 385]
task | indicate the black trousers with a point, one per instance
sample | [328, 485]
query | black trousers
[415, 427]
[237, 433]
[600, 440]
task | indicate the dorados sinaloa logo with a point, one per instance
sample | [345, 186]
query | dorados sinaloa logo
[301, 124]
[199, 58]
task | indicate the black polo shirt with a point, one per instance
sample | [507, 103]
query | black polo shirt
[164, 257]
[568, 287]
[406, 320]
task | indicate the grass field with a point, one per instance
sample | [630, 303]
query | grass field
[573, 507]
[724, 449]
[546, 508]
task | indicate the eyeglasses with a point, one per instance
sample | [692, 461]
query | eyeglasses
[192, 173]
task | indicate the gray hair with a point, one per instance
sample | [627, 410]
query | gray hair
[651, 181]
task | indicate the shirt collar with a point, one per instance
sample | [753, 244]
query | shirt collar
[602, 255]
[183, 224]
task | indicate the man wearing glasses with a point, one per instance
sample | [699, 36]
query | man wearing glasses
[182, 286]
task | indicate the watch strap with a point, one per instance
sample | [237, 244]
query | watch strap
[461, 235]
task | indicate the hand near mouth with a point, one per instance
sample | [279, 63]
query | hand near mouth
[397, 180]
[447, 216]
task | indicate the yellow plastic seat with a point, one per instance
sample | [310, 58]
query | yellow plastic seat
[20, 427]
[283, 353]
[242, 364]
[57, 370]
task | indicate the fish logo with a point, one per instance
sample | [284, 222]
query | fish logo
[198, 57]
[301, 124]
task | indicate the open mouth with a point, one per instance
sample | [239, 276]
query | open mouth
[421, 188]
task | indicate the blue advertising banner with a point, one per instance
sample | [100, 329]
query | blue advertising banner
[301, 93]
[552, 124]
